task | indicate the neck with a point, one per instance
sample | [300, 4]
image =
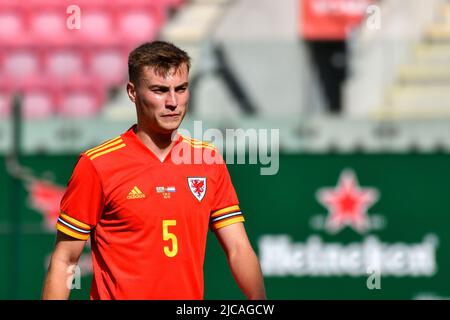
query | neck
[159, 143]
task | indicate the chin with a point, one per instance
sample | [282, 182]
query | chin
[170, 128]
[170, 125]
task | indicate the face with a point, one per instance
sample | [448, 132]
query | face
[161, 101]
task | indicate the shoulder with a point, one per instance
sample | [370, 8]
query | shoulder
[104, 150]
[197, 144]
[192, 151]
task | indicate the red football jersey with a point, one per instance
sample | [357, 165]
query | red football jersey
[148, 220]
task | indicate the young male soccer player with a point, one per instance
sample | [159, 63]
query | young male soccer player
[146, 212]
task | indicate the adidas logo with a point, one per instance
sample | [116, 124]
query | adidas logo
[135, 193]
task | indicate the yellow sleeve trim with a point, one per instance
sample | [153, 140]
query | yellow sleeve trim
[227, 222]
[225, 210]
[75, 222]
[70, 233]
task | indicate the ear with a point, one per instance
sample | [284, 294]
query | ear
[131, 91]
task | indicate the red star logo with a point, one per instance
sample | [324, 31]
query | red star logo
[347, 203]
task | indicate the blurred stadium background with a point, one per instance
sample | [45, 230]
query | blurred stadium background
[379, 159]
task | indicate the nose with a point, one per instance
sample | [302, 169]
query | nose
[171, 100]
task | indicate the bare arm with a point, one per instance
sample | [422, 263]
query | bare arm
[65, 255]
[242, 260]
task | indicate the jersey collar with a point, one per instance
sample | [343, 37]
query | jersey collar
[133, 140]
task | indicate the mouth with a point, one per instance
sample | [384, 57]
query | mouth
[171, 115]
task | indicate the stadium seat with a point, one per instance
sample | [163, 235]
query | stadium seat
[78, 105]
[63, 64]
[12, 30]
[38, 97]
[140, 4]
[438, 33]
[49, 27]
[424, 73]
[94, 4]
[97, 28]
[83, 98]
[137, 26]
[415, 101]
[37, 104]
[70, 71]
[109, 65]
[7, 3]
[14, 5]
[18, 65]
[432, 54]
[38, 4]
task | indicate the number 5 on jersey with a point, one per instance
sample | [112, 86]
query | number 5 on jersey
[170, 236]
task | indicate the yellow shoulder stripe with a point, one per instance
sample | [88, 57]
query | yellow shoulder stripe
[195, 141]
[102, 145]
[98, 149]
[111, 149]
[200, 144]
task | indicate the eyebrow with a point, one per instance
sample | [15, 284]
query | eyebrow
[160, 86]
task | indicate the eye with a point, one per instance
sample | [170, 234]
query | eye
[182, 89]
[159, 90]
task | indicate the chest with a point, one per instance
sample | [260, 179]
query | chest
[149, 192]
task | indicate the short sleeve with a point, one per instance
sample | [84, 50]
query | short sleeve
[82, 203]
[225, 209]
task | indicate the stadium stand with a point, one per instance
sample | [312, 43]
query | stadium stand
[402, 72]
[66, 71]
[192, 28]
[398, 73]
